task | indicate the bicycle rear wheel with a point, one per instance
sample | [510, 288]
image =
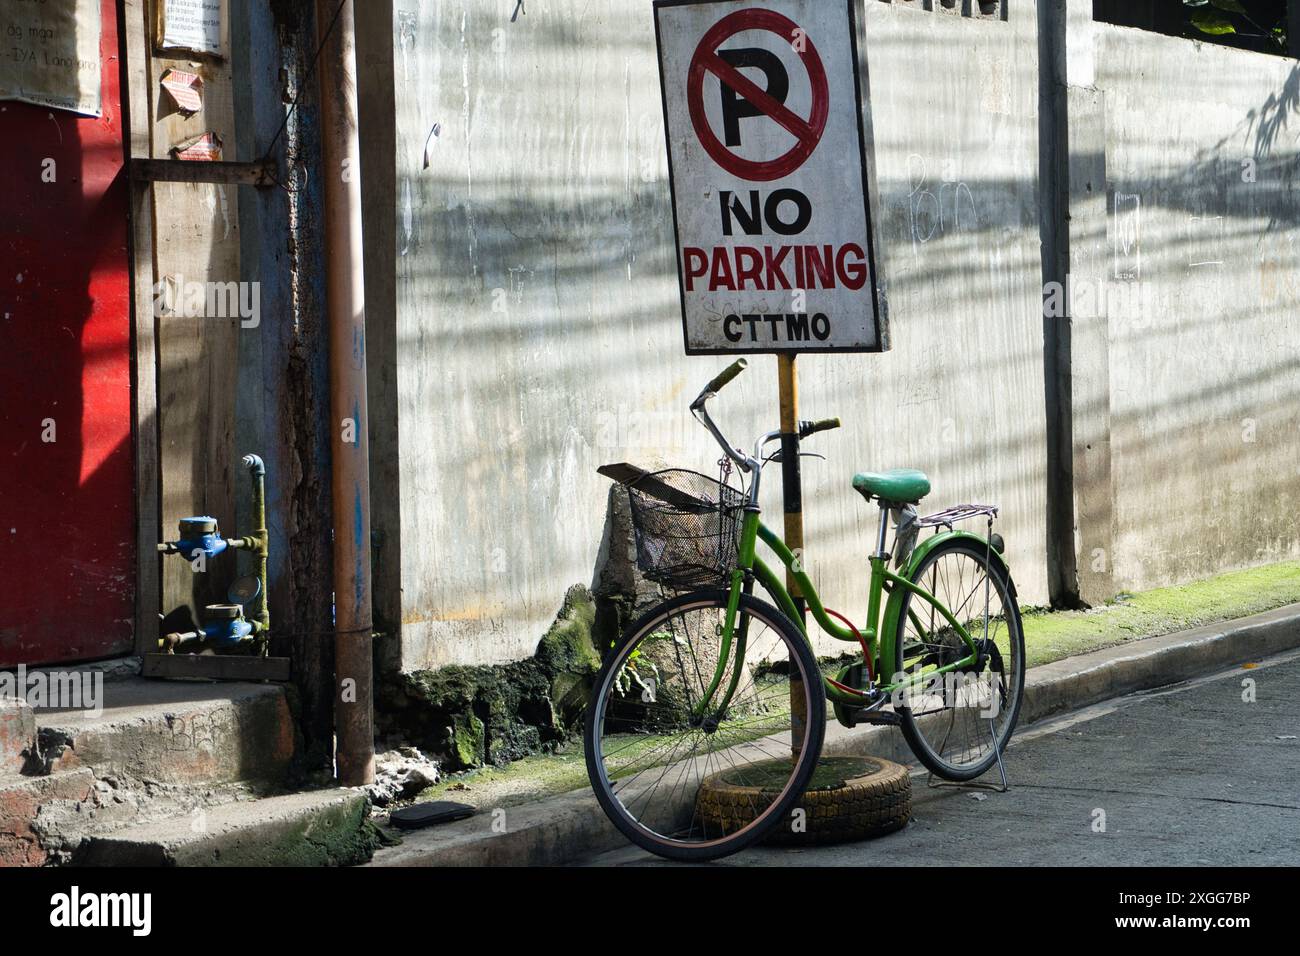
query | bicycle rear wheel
[954, 723]
[654, 733]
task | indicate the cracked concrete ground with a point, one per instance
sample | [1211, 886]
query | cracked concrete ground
[1188, 775]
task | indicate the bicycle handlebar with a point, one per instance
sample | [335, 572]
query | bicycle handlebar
[721, 379]
[746, 463]
[811, 428]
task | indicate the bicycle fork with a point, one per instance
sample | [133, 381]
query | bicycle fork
[742, 582]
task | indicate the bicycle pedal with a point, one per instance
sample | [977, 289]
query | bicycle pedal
[879, 718]
[869, 713]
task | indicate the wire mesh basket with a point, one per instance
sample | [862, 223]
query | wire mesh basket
[687, 526]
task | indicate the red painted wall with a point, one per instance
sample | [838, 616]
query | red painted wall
[67, 507]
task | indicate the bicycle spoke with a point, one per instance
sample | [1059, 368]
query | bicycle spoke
[962, 716]
[658, 748]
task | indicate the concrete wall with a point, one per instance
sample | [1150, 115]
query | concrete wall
[536, 331]
[1200, 157]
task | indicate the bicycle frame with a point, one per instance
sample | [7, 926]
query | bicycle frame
[879, 639]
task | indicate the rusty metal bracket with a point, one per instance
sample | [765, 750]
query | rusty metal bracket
[260, 173]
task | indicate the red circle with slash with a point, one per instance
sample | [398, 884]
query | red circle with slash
[706, 60]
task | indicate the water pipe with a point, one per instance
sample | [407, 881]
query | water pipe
[345, 303]
[259, 540]
[227, 625]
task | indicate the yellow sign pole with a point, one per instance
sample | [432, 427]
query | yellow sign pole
[792, 493]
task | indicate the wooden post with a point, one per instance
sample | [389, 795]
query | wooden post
[144, 391]
[792, 496]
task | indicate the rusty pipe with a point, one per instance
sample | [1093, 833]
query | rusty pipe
[346, 311]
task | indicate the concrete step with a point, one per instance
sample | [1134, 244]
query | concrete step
[22, 800]
[139, 751]
[314, 828]
[174, 732]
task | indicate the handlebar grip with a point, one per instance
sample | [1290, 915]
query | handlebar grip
[811, 428]
[722, 378]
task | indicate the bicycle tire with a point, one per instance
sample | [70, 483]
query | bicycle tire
[916, 738]
[814, 733]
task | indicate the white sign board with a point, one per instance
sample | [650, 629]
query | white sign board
[50, 55]
[767, 159]
[193, 26]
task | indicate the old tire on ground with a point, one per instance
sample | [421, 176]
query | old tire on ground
[848, 798]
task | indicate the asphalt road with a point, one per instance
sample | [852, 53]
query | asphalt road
[1188, 775]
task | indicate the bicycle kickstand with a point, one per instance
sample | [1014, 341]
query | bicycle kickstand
[997, 750]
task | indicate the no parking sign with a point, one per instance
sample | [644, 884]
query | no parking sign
[771, 178]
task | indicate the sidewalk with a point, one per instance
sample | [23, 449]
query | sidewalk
[560, 828]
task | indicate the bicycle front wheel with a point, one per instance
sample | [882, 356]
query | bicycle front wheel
[956, 723]
[696, 750]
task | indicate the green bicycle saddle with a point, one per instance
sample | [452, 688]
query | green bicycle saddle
[898, 485]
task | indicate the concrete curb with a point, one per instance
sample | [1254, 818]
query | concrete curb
[563, 828]
[1157, 661]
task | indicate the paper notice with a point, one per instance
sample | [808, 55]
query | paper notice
[184, 89]
[191, 25]
[200, 149]
[50, 54]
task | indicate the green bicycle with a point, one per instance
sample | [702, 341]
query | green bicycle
[715, 684]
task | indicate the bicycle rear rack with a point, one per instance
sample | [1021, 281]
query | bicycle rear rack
[950, 516]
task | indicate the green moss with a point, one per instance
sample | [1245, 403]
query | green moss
[1051, 636]
[521, 781]
[495, 714]
[568, 646]
[467, 739]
